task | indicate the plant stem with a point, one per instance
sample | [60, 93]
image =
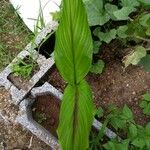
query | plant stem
[141, 38]
[101, 132]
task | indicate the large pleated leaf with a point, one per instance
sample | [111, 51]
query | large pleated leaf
[76, 117]
[73, 50]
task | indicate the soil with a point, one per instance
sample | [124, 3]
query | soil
[19, 81]
[116, 85]
[46, 111]
[13, 136]
[55, 79]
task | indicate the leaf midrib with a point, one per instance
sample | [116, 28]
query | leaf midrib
[72, 45]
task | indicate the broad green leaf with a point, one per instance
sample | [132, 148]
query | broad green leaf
[76, 117]
[131, 3]
[96, 46]
[127, 113]
[135, 56]
[146, 109]
[96, 13]
[146, 97]
[145, 3]
[143, 104]
[123, 13]
[132, 131]
[144, 20]
[139, 142]
[121, 31]
[147, 130]
[106, 37]
[73, 49]
[145, 62]
[110, 9]
[99, 112]
[148, 31]
[117, 122]
[115, 145]
[98, 67]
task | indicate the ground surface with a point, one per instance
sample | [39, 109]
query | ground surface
[13, 136]
[13, 33]
[115, 85]
[13, 38]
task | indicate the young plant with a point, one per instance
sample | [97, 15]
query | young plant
[73, 57]
[24, 68]
[145, 104]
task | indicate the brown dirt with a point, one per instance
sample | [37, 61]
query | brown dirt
[13, 136]
[55, 79]
[115, 85]
[48, 106]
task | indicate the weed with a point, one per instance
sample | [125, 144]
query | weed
[40, 117]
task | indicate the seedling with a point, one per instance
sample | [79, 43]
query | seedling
[24, 68]
[40, 117]
[145, 104]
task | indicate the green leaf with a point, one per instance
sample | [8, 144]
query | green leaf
[144, 20]
[146, 97]
[127, 113]
[139, 142]
[123, 13]
[76, 117]
[96, 46]
[115, 145]
[132, 131]
[146, 110]
[73, 57]
[147, 129]
[96, 14]
[106, 37]
[131, 3]
[99, 112]
[143, 104]
[98, 67]
[148, 31]
[74, 47]
[110, 9]
[145, 3]
[135, 56]
[145, 62]
[121, 31]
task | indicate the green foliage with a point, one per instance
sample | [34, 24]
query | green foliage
[142, 139]
[76, 117]
[118, 119]
[145, 104]
[75, 44]
[99, 112]
[98, 67]
[145, 62]
[105, 37]
[96, 46]
[73, 57]
[123, 13]
[130, 3]
[24, 68]
[135, 56]
[126, 20]
[41, 117]
[115, 145]
[96, 12]
[137, 137]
